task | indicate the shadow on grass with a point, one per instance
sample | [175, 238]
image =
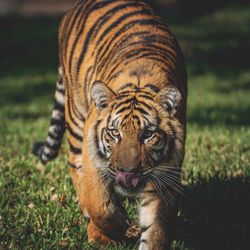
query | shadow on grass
[232, 87]
[229, 116]
[28, 115]
[226, 60]
[215, 215]
[26, 93]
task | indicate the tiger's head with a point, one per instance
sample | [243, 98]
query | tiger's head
[133, 134]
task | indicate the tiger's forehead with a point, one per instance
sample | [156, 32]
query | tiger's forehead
[133, 109]
[147, 91]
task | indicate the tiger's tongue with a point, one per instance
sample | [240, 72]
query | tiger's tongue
[126, 179]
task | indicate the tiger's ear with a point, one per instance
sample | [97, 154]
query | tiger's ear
[101, 94]
[169, 97]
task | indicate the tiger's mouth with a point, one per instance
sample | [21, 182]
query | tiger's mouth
[129, 184]
[127, 179]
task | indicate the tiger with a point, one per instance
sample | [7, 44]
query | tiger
[121, 99]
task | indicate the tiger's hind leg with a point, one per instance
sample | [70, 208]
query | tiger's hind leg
[48, 150]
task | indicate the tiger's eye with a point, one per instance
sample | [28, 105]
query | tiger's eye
[147, 134]
[115, 132]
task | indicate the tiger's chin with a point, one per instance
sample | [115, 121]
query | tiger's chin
[129, 191]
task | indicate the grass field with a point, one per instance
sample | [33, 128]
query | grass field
[38, 207]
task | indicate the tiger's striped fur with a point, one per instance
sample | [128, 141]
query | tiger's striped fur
[121, 96]
[48, 150]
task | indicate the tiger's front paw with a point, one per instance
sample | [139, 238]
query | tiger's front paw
[96, 236]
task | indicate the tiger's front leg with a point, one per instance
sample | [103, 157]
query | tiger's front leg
[156, 221]
[107, 220]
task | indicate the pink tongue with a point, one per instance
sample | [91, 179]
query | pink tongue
[126, 179]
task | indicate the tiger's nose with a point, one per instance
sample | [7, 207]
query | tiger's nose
[130, 169]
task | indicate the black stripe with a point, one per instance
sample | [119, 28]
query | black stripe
[76, 112]
[171, 75]
[52, 153]
[106, 54]
[54, 137]
[64, 30]
[163, 48]
[125, 92]
[142, 53]
[82, 20]
[151, 22]
[141, 110]
[74, 166]
[144, 229]
[126, 85]
[164, 52]
[130, 100]
[55, 145]
[122, 109]
[121, 56]
[121, 19]
[61, 91]
[70, 114]
[145, 118]
[96, 7]
[164, 63]
[110, 14]
[143, 241]
[168, 41]
[59, 106]
[115, 122]
[102, 138]
[145, 105]
[57, 122]
[113, 76]
[73, 133]
[150, 191]
[147, 202]
[146, 97]
[152, 87]
[109, 118]
[113, 70]
[99, 153]
[156, 58]
[172, 129]
[59, 130]
[122, 96]
[125, 118]
[83, 17]
[74, 149]
[135, 117]
[75, 15]
[86, 85]
[158, 120]
[150, 49]
[131, 57]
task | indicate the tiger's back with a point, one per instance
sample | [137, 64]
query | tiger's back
[117, 42]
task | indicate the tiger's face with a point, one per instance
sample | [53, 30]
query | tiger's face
[133, 133]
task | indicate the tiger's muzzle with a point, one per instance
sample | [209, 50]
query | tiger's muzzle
[127, 179]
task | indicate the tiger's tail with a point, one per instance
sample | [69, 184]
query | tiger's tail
[48, 150]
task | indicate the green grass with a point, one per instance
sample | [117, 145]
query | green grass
[38, 206]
